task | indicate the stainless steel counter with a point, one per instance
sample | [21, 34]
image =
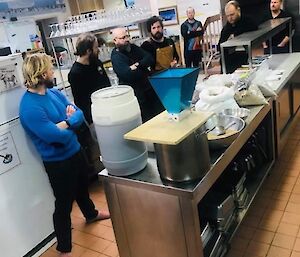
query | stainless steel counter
[149, 177]
[288, 63]
[154, 218]
[265, 32]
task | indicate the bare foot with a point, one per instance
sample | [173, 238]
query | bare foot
[102, 215]
[64, 254]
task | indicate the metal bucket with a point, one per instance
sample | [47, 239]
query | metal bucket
[187, 161]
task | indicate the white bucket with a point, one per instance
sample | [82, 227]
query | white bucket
[115, 111]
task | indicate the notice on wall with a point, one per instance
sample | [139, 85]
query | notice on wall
[8, 78]
[9, 157]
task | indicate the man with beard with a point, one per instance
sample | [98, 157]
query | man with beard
[50, 121]
[191, 31]
[236, 25]
[131, 64]
[280, 42]
[161, 48]
[87, 74]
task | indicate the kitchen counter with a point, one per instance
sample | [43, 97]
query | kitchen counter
[152, 217]
[149, 177]
[289, 63]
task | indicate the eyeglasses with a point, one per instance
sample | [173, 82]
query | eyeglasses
[125, 36]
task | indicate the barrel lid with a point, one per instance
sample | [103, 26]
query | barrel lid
[111, 92]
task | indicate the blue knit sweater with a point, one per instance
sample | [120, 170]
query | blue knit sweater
[39, 115]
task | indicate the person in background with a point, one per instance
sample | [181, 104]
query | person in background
[280, 42]
[49, 120]
[131, 64]
[87, 74]
[191, 31]
[236, 25]
[162, 49]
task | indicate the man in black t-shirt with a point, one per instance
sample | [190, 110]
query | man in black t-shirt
[280, 42]
[87, 74]
[236, 25]
[162, 49]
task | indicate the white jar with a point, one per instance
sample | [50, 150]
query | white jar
[115, 111]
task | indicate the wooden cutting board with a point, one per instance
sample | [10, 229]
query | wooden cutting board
[162, 130]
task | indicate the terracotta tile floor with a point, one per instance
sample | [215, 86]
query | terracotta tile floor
[93, 240]
[270, 229]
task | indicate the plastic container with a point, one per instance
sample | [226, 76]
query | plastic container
[175, 87]
[112, 76]
[115, 112]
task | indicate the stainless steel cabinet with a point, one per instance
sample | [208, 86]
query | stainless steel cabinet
[283, 110]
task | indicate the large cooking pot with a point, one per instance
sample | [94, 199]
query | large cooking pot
[187, 161]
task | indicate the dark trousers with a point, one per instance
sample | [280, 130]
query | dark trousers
[69, 181]
[192, 58]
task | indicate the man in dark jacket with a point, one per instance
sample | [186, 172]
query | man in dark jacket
[280, 42]
[236, 25]
[131, 64]
[191, 31]
[161, 48]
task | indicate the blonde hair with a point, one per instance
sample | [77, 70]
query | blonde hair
[34, 67]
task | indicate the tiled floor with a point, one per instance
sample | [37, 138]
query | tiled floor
[271, 228]
[93, 240]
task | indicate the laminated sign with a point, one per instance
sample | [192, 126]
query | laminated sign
[9, 157]
[8, 78]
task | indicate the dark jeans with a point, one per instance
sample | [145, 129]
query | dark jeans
[192, 58]
[69, 181]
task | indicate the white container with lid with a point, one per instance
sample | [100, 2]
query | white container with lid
[115, 111]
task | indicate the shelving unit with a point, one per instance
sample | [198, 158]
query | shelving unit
[68, 40]
[265, 32]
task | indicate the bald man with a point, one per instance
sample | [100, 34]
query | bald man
[236, 25]
[191, 31]
[280, 42]
[131, 64]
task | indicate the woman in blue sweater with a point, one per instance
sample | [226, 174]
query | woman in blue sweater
[50, 119]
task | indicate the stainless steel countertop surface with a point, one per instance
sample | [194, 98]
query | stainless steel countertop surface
[265, 31]
[149, 177]
[289, 63]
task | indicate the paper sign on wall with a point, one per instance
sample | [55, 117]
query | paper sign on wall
[9, 157]
[8, 78]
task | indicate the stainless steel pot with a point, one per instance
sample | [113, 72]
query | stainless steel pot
[189, 160]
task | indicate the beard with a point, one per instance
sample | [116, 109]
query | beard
[125, 48]
[93, 59]
[48, 83]
[158, 35]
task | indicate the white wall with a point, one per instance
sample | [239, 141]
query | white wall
[16, 34]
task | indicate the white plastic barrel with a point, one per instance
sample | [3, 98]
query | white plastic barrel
[115, 111]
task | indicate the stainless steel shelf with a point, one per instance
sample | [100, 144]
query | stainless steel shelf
[265, 32]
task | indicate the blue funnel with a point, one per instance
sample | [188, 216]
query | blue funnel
[175, 87]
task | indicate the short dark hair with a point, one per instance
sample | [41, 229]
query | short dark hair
[152, 20]
[85, 42]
